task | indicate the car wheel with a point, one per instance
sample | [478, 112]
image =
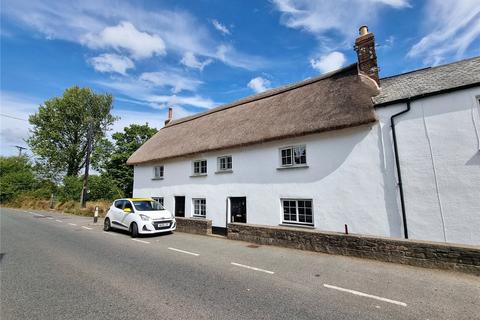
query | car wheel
[106, 225]
[134, 230]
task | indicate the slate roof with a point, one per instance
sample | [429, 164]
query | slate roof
[429, 80]
[333, 101]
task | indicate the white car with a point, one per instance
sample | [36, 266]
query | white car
[139, 216]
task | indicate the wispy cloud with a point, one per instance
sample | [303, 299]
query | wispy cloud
[451, 28]
[174, 81]
[259, 84]
[329, 62]
[111, 63]
[190, 60]
[99, 24]
[220, 27]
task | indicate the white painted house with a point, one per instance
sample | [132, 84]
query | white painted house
[321, 154]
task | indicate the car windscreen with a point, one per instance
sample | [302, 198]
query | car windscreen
[147, 205]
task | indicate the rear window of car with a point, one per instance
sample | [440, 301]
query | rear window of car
[147, 205]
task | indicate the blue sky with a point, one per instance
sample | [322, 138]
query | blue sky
[195, 55]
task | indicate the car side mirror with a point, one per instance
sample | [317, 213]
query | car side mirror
[127, 210]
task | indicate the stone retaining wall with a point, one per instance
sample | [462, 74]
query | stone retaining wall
[194, 225]
[416, 253]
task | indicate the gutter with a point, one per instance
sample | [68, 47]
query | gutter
[397, 163]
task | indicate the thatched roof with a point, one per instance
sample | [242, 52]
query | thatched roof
[333, 101]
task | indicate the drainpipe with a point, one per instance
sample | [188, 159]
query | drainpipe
[397, 163]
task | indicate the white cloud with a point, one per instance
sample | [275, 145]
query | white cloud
[111, 63]
[329, 62]
[173, 80]
[125, 36]
[451, 28]
[85, 22]
[190, 60]
[220, 27]
[14, 131]
[174, 100]
[259, 84]
[228, 55]
[341, 16]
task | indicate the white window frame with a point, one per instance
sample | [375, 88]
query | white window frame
[292, 150]
[219, 164]
[161, 172]
[199, 209]
[160, 200]
[200, 173]
[297, 220]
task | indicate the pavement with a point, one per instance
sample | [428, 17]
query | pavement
[59, 266]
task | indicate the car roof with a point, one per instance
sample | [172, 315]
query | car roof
[136, 199]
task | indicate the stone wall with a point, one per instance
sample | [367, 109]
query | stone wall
[194, 225]
[415, 253]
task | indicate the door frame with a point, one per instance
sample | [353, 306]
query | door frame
[175, 205]
[229, 208]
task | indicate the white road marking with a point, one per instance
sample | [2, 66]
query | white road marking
[358, 293]
[50, 218]
[110, 233]
[141, 241]
[59, 220]
[36, 214]
[252, 268]
[183, 251]
[86, 228]
[72, 224]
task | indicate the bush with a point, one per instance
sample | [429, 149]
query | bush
[16, 177]
[100, 187]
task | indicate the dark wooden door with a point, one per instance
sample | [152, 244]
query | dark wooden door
[180, 206]
[238, 209]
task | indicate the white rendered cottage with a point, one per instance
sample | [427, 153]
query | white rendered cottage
[322, 154]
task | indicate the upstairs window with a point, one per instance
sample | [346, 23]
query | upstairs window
[158, 172]
[199, 208]
[199, 167]
[293, 156]
[224, 163]
[159, 200]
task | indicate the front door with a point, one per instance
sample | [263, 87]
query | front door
[238, 209]
[180, 206]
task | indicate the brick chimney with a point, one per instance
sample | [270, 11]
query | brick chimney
[367, 58]
[170, 116]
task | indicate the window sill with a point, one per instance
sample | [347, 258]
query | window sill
[198, 175]
[305, 226]
[223, 171]
[293, 167]
[199, 217]
[157, 178]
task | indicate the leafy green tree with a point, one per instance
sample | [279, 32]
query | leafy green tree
[101, 187]
[16, 177]
[61, 127]
[125, 143]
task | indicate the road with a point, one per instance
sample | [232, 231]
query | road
[58, 266]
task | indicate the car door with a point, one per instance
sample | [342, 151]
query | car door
[117, 210]
[127, 217]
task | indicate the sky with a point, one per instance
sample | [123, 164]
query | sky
[196, 55]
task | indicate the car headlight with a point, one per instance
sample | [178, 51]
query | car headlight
[144, 217]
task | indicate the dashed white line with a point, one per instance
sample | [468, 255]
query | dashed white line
[252, 268]
[183, 251]
[36, 214]
[358, 293]
[72, 224]
[110, 233]
[59, 220]
[86, 228]
[141, 241]
[50, 218]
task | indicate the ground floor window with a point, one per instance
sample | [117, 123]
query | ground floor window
[297, 211]
[199, 207]
[158, 199]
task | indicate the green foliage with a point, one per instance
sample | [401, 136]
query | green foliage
[60, 127]
[100, 187]
[16, 177]
[125, 143]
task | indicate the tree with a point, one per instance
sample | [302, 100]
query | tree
[60, 129]
[125, 143]
[16, 177]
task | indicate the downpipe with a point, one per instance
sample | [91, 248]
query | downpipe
[397, 163]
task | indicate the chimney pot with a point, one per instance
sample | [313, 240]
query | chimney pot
[170, 116]
[363, 30]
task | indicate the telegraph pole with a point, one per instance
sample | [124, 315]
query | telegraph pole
[20, 149]
[83, 197]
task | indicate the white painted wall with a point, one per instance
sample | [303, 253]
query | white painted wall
[351, 175]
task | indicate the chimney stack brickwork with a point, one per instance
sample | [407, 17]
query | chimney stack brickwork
[170, 116]
[367, 58]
